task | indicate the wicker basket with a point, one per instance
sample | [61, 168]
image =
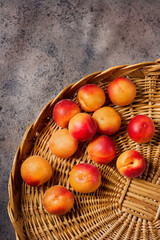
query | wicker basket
[121, 208]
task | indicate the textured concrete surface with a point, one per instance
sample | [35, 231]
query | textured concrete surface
[47, 44]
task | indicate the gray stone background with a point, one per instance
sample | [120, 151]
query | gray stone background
[46, 45]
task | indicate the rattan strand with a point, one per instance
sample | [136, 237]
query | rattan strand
[120, 208]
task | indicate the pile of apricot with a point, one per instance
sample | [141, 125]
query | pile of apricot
[94, 122]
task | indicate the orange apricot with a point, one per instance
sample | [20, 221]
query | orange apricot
[108, 120]
[85, 178]
[62, 144]
[91, 97]
[121, 91]
[131, 164]
[58, 200]
[36, 170]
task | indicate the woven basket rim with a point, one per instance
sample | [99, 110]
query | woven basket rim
[30, 132]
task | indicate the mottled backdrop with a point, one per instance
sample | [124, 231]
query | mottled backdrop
[46, 45]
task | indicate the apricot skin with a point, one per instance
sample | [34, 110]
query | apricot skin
[63, 111]
[121, 91]
[82, 127]
[36, 170]
[131, 164]
[62, 144]
[141, 129]
[91, 97]
[108, 120]
[102, 149]
[58, 200]
[85, 178]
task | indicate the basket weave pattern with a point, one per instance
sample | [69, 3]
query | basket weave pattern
[121, 208]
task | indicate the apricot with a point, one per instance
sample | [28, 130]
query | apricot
[62, 144]
[63, 111]
[35, 171]
[82, 127]
[141, 129]
[121, 91]
[58, 200]
[85, 178]
[131, 164]
[91, 97]
[108, 120]
[102, 149]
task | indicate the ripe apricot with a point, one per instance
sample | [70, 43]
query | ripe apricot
[102, 149]
[131, 164]
[82, 127]
[108, 120]
[141, 129]
[121, 91]
[91, 97]
[36, 170]
[85, 178]
[62, 144]
[63, 111]
[58, 200]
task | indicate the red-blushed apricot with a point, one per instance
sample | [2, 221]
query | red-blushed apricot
[82, 127]
[102, 149]
[131, 164]
[108, 120]
[36, 170]
[58, 200]
[85, 178]
[63, 111]
[121, 91]
[62, 144]
[141, 129]
[91, 97]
